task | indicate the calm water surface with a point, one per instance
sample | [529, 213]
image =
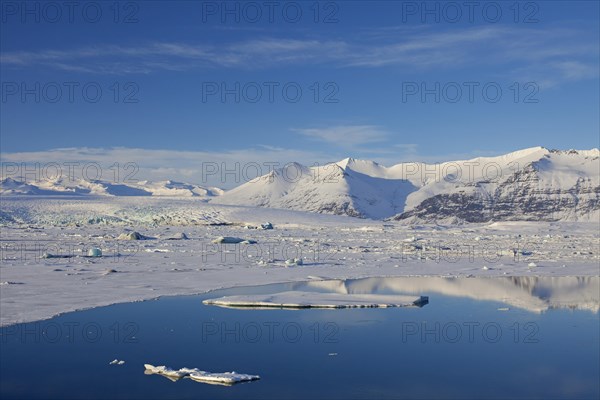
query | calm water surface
[477, 338]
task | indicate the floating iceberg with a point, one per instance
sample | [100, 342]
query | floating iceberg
[223, 378]
[298, 299]
[220, 378]
[168, 372]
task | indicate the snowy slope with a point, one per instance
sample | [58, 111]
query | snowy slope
[346, 188]
[529, 184]
[81, 187]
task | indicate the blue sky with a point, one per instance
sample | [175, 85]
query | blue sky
[367, 62]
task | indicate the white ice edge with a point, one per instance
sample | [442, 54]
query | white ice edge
[300, 299]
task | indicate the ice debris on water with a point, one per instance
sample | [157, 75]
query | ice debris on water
[266, 225]
[116, 362]
[532, 264]
[222, 378]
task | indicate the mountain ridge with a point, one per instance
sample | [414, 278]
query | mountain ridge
[528, 184]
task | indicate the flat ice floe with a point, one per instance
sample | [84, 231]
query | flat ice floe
[298, 299]
[218, 378]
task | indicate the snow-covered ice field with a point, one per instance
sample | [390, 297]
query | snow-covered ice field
[45, 240]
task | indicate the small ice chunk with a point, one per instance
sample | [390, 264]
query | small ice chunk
[48, 255]
[110, 271]
[132, 236]
[232, 240]
[94, 252]
[178, 236]
[294, 261]
[266, 225]
[116, 362]
[532, 264]
[166, 371]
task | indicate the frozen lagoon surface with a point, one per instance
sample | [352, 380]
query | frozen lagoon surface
[44, 270]
[476, 338]
[513, 307]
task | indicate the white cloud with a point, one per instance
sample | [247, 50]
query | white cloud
[346, 136]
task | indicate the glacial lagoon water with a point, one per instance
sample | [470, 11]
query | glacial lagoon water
[476, 338]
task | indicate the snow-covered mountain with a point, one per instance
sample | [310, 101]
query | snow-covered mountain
[338, 188]
[64, 186]
[531, 184]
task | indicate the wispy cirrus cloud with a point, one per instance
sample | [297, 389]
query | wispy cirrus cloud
[561, 54]
[260, 53]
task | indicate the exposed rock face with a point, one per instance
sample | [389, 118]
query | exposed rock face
[521, 197]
